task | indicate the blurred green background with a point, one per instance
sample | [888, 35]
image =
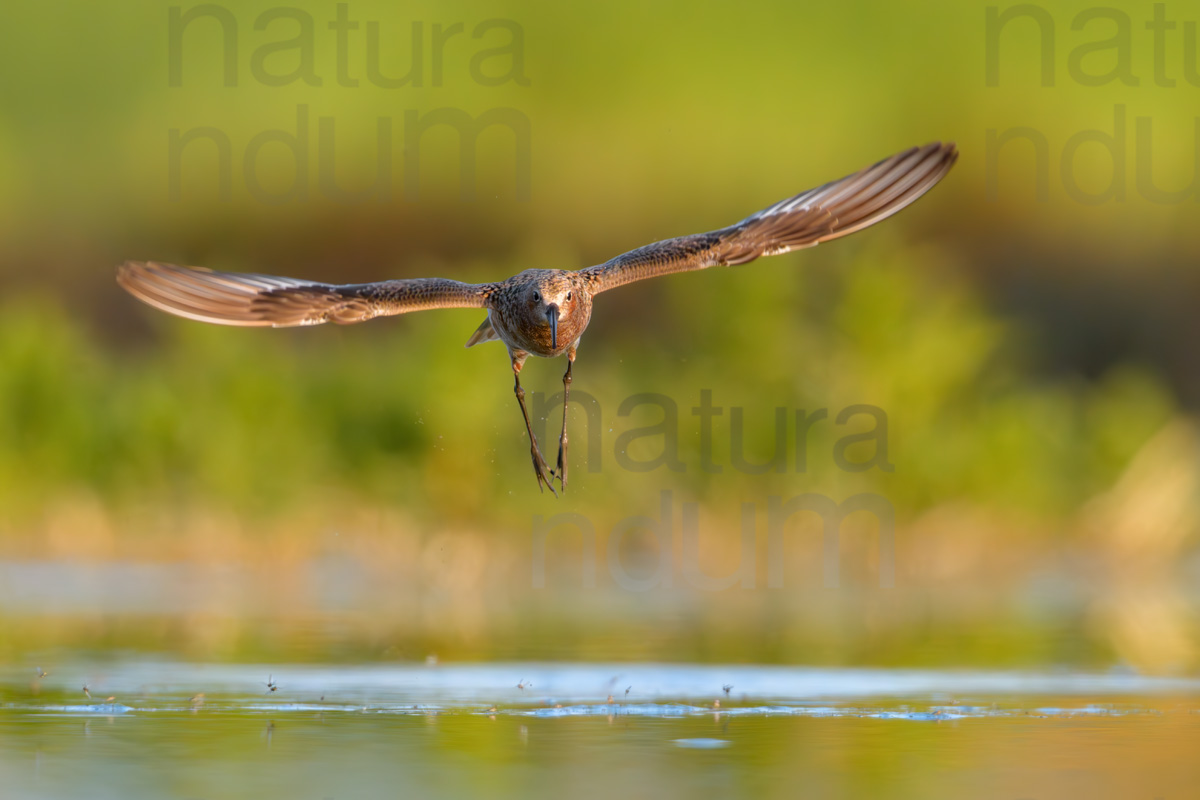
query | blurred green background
[1027, 329]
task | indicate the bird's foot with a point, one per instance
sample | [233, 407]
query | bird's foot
[561, 470]
[545, 475]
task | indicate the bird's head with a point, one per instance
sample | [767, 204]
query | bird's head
[551, 301]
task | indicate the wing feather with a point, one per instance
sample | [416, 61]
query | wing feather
[818, 215]
[228, 298]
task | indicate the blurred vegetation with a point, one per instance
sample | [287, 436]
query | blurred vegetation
[401, 414]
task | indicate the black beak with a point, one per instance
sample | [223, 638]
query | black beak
[552, 315]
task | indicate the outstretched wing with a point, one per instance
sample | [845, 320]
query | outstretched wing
[815, 216]
[228, 298]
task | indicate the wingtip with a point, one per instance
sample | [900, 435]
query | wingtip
[949, 150]
[949, 156]
[130, 267]
[126, 270]
[944, 153]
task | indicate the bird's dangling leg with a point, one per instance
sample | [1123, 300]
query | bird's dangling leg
[540, 469]
[562, 440]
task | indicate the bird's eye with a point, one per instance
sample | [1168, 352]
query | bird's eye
[568, 295]
[537, 297]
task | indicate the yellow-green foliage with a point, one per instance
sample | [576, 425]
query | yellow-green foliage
[397, 413]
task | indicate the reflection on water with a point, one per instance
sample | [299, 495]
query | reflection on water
[592, 730]
[314, 676]
[1067, 612]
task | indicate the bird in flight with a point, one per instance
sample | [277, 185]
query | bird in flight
[544, 312]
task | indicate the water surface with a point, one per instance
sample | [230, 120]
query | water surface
[155, 729]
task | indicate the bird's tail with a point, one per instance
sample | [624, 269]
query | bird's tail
[484, 333]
